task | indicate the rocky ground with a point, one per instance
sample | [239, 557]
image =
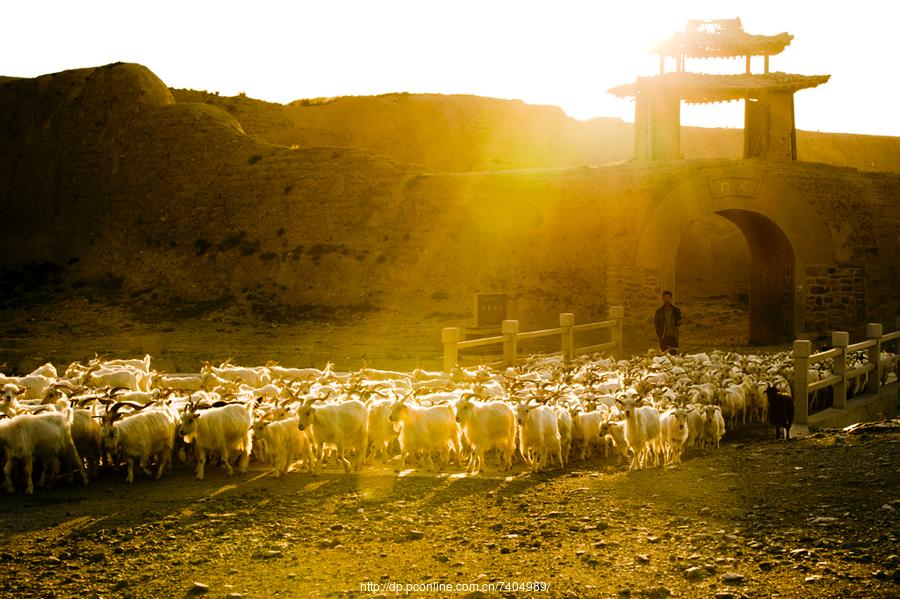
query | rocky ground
[812, 517]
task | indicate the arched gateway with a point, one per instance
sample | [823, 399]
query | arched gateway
[783, 233]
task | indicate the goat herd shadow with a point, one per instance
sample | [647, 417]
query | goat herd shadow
[108, 501]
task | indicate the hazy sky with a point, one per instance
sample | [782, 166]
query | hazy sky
[563, 52]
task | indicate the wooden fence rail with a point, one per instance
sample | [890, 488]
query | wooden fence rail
[510, 337]
[803, 358]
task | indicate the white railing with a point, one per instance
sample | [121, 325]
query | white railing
[510, 337]
[803, 358]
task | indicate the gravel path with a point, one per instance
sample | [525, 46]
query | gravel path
[813, 517]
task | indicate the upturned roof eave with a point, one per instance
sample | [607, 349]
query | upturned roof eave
[731, 45]
[704, 88]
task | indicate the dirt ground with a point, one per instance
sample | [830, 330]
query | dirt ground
[811, 517]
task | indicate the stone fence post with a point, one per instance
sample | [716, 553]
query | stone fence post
[874, 331]
[567, 321]
[802, 350]
[617, 313]
[840, 340]
[450, 337]
[510, 329]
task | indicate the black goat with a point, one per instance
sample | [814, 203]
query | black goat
[781, 411]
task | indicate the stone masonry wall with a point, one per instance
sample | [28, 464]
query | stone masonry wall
[835, 295]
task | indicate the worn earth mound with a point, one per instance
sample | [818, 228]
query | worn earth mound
[469, 133]
[811, 517]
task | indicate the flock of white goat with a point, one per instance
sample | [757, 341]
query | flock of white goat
[544, 413]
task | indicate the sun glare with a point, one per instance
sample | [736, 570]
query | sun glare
[565, 54]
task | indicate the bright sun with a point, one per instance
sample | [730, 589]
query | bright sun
[566, 53]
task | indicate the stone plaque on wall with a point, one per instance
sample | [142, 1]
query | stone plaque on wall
[733, 186]
[490, 309]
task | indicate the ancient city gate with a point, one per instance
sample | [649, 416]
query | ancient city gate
[783, 233]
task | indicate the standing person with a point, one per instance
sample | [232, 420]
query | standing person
[667, 320]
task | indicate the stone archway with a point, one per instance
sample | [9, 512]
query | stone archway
[772, 260]
[783, 232]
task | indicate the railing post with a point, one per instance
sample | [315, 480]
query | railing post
[840, 340]
[450, 337]
[874, 331]
[510, 330]
[617, 313]
[567, 321]
[802, 350]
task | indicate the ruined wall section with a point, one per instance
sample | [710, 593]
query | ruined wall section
[60, 149]
[860, 212]
[106, 178]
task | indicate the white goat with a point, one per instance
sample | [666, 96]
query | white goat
[142, 364]
[34, 386]
[715, 426]
[344, 425]
[48, 370]
[142, 436]
[45, 436]
[485, 426]
[178, 383]
[641, 431]
[696, 422]
[255, 377]
[283, 443]
[124, 377]
[539, 439]
[564, 425]
[426, 429]
[674, 433]
[382, 432]
[615, 430]
[223, 429]
[9, 399]
[86, 435]
[586, 432]
[734, 404]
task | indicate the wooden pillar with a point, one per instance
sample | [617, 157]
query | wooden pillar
[755, 127]
[664, 126]
[874, 331]
[793, 129]
[769, 128]
[450, 337]
[567, 321]
[802, 350]
[748, 64]
[840, 340]
[510, 330]
[766, 64]
[641, 129]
